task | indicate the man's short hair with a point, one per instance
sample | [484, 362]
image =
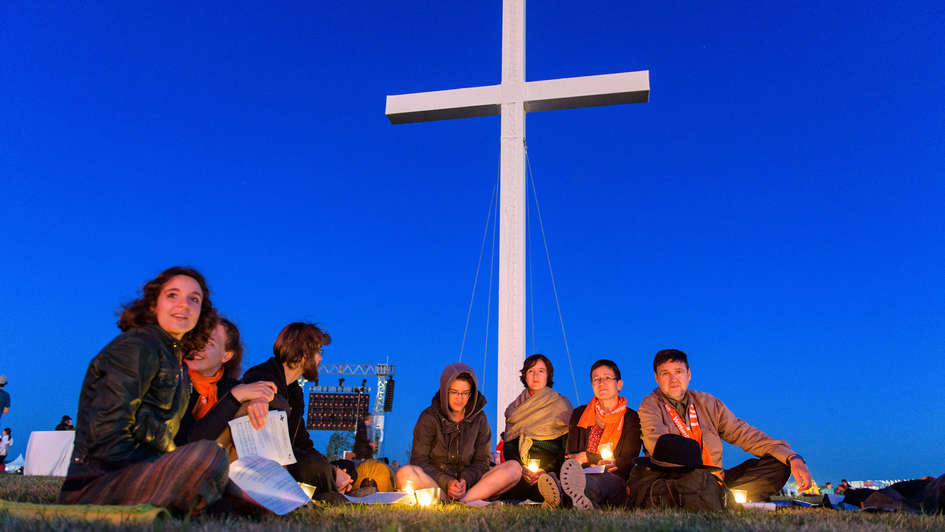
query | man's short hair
[669, 355]
[298, 341]
[609, 363]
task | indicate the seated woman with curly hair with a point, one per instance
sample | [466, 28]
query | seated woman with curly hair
[134, 395]
[536, 428]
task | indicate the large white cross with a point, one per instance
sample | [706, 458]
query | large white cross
[512, 99]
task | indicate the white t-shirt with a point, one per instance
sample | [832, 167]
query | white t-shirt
[5, 443]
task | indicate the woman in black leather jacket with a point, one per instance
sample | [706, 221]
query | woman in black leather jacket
[134, 395]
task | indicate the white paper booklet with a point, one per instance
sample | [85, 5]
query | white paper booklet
[270, 442]
[595, 469]
[268, 483]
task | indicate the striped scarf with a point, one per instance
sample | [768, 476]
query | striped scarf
[693, 431]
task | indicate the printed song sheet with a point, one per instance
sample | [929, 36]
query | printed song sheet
[268, 483]
[270, 442]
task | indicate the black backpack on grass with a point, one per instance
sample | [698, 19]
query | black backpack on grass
[697, 490]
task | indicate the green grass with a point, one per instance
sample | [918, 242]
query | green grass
[457, 517]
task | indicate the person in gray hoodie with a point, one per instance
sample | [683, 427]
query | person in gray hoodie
[451, 444]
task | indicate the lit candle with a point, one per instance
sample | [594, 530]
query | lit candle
[741, 496]
[533, 465]
[606, 451]
[408, 489]
[427, 496]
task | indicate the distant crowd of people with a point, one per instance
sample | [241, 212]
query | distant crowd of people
[151, 425]
[791, 489]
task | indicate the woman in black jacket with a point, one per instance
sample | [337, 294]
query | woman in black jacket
[133, 397]
[604, 433]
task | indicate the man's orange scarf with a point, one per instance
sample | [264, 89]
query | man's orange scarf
[613, 420]
[206, 388]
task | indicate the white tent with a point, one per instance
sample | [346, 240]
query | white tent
[14, 466]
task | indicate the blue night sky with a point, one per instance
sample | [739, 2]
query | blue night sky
[775, 210]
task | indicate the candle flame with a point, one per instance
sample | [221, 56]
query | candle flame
[427, 496]
[606, 452]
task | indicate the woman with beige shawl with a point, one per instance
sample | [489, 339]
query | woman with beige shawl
[536, 427]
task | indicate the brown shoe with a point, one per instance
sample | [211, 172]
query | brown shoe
[550, 492]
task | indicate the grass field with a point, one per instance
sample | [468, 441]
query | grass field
[457, 517]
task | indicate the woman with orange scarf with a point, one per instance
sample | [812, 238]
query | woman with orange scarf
[217, 394]
[604, 433]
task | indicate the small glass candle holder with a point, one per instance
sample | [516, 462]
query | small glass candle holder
[411, 497]
[606, 451]
[533, 465]
[740, 496]
[428, 496]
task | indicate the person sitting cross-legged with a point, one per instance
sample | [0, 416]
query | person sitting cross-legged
[536, 429]
[297, 352]
[673, 408]
[603, 426]
[451, 443]
[132, 399]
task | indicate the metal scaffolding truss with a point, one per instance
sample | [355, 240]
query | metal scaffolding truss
[381, 371]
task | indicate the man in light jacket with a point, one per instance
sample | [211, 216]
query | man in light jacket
[673, 408]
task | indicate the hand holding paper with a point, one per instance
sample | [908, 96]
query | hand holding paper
[270, 442]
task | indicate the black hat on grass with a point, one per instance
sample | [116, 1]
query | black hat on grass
[675, 453]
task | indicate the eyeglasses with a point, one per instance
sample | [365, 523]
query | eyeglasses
[602, 380]
[460, 394]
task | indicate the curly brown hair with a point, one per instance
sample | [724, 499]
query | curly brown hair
[139, 312]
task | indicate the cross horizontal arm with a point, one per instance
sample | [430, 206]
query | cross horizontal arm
[587, 91]
[443, 105]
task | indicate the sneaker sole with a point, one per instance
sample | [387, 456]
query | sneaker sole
[549, 491]
[573, 482]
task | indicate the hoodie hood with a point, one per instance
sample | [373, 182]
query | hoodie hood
[441, 399]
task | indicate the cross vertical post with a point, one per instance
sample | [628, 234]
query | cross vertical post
[511, 100]
[512, 194]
